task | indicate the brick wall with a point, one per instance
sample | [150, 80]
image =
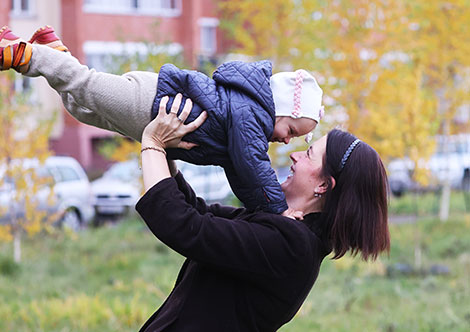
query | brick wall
[4, 12]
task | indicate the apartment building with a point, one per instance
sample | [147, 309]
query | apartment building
[24, 17]
[4, 12]
[95, 30]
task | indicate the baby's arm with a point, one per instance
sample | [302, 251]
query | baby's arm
[252, 178]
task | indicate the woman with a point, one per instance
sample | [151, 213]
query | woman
[251, 270]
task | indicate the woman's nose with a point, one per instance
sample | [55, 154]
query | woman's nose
[294, 156]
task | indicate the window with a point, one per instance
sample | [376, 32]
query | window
[208, 45]
[22, 84]
[134, 7]
[25, 86]
[169, 4]
[106, 56]
[21, 7]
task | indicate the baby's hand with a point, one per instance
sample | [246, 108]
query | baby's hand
[293, 214]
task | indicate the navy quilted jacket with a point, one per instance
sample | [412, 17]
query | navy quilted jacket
[235, 135]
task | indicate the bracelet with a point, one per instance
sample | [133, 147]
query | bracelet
[155, 148]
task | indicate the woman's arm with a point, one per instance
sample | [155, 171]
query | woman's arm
[249, 249]
[263, 246]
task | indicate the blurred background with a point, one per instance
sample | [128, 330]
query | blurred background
[75, 257]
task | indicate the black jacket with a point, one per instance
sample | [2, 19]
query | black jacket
[240, 106]
[244, 271]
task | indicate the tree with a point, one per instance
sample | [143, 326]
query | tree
[394, 72]
[442, 39]
[22, 137]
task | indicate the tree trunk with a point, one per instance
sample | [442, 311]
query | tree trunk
[418, 253]
[445, 195]
[445, 202]
[17, 246]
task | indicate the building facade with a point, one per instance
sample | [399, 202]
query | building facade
[95, 30]
[4, 12]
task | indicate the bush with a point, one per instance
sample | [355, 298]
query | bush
[8, 267]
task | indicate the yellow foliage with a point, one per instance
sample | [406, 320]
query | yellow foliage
[82, 312]
[126, 150]
[5, 233]
[21, 137]
[399, 70]
[120, 149]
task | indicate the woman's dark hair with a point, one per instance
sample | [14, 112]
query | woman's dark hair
[356, 208]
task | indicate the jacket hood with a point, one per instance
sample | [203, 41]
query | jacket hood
[250, 78]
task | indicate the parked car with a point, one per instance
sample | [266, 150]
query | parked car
[450, 162]
[208, 182]
[117, 190]
[400, 173]
[71, 192]
[120, 187]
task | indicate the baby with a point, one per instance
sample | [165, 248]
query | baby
[247, 107]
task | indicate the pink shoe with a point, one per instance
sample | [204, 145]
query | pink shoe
[14, 52]
[46, 36]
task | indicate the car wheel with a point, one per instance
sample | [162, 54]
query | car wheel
[98, 221]
[71, 220]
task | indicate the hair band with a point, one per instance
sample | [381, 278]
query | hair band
[348, 153]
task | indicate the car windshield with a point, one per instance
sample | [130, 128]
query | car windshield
[124, 171]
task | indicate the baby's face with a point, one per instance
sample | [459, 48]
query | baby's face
[287, 127]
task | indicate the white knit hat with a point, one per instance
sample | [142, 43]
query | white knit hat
[297, 94]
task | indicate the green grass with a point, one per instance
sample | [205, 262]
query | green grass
[427, 204]
[114, 278]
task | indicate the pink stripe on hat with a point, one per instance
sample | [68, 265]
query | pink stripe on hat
[297, 111]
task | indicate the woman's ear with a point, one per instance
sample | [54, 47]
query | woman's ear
[325, 185]
[333, 182]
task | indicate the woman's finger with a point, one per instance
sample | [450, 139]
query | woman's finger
[192, 126]
[188, 105]
[186, 145]
[176, 104]
[162, 106]
[298, 215]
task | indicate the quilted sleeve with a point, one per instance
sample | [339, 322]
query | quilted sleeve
[252, 178]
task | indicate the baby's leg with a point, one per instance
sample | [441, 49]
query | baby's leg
[85, 115]
[119, 103]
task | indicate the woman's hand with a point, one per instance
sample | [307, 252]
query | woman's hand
[293, 214]
[167, 130]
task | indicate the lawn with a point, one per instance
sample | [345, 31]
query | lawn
[114, 277]
[427, 204]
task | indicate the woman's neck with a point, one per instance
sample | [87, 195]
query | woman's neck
[314, 204]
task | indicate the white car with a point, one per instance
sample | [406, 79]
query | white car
[118, 189]
[71, 192]
[208, 182]
[451, 164]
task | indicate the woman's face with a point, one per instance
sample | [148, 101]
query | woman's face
[305, 177]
